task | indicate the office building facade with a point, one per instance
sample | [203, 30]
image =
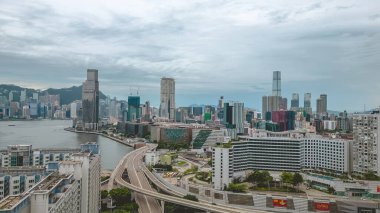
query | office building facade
[276, 84]
[167, 99]
[295, 102]
[307, 103]
[90, 100]
[133, 113]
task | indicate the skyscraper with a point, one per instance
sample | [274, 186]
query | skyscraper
[90, 100]
[295, 102]
[276, 86]
[133, 108]
[264, 107]
[284, 104]
[366, 143]
[228, 114]
[322, 104]
[167, 103]
[221, 102]
[23, 96]
[237, 117]
[307, 103]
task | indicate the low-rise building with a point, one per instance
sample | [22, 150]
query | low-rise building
[151, 158]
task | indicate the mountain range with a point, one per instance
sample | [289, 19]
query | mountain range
[67, 95]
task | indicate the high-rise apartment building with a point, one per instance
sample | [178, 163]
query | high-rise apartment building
[73, 186]
[167, 103]
[90, 100]
[276, 84]
[366, 143]
[133, 108]
[295, 102]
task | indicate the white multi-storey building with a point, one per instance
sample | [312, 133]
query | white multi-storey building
[151, 158]
[14, 181]
[326, 154]
[366, 146]
[73, 188]
[329, 125]
[222, 167]
[278, 154]
[24, 155]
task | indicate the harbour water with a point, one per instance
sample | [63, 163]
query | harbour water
[51, 134]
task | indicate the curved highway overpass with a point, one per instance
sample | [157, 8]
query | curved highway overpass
[132, 162]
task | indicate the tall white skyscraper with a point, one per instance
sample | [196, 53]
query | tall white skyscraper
[276, 86]
[167, 103]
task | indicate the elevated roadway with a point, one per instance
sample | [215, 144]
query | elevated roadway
[132, 162]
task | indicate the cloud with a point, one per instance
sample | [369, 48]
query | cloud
[211, 48]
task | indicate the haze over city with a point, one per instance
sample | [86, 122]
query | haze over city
[211, 48]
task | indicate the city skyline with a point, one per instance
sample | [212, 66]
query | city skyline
[310, 43]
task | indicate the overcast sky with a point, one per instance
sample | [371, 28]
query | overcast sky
[211, 48]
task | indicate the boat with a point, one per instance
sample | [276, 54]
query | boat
[11, 125]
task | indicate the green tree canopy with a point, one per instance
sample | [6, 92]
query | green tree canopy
[297, 179]
[371, 176]
[103, 194]
[286, 177]
[261, 178]
[191, 197]
[237, 187]
[120, 194]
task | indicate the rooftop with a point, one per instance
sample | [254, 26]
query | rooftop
[10, 201]
[48, 183]
[83, 154]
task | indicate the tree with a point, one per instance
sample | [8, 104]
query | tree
[286, 177]
[120, 195]
[297, 179]
[191, 197]
[237, 187]
[370, 175]
[260, 178]
[331, 190]
[103, 194]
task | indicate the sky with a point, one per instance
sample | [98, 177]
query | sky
[211, 48]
